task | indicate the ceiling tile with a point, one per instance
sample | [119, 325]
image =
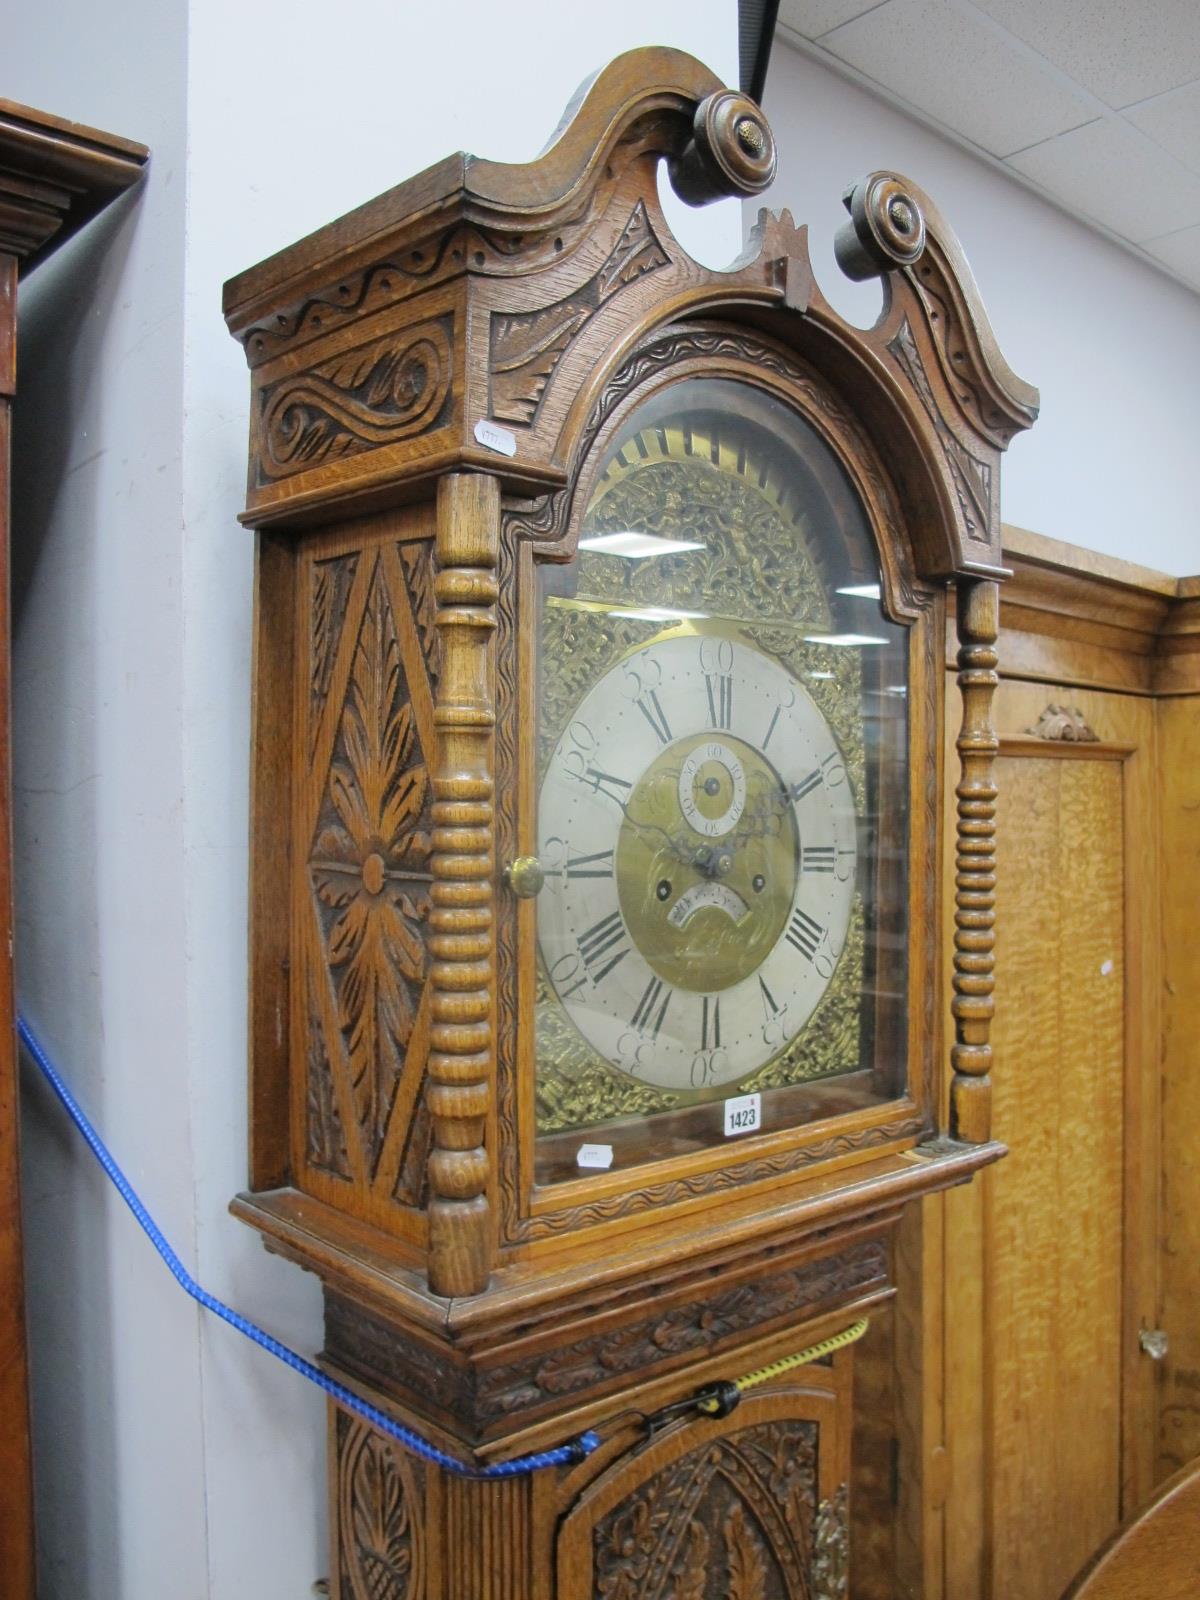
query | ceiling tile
[1110, 173]
[1179, 251]
[1173, 121]
[812, 18]
[908, 45]
[1121, 50]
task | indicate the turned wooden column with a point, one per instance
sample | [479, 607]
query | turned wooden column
[975, 863]
[462, 1046]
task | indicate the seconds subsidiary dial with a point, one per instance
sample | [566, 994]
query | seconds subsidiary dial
[697, 831]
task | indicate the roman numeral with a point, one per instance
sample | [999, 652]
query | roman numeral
[597, 946]
[710, 1023]
[831, 771]
[817, 858]
[806, 785]
[804, 934]
[720, 699]
[653, 712]
[599, 865]
[644, 1017]
[769, 1004]
[606, 783]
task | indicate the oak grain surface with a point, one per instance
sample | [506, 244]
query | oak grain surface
[1179, 743]
[1156, 1556]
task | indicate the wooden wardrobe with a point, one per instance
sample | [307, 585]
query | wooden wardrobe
[1043, 1356]
[54, 177]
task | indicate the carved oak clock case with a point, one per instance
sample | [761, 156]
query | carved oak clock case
[594, 851]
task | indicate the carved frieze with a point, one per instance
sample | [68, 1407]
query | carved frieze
[696, 1327]
[482, 1395]
[527, 346]
[376, 394]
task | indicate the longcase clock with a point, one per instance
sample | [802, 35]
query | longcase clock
[598, 697]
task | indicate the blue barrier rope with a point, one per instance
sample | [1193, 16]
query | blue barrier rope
[573, 1451]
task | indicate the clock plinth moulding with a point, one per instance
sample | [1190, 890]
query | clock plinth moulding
[436, 380]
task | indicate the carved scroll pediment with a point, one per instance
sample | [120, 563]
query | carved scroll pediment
[527, 346]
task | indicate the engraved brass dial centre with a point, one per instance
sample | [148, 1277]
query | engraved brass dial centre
[706, 900]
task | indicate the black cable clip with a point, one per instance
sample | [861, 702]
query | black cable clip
[715, 1400]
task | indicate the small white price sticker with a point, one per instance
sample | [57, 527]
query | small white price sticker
[743, 1114]
[594, 1155]
[493, 437]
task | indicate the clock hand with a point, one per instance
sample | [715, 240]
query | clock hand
[678, 849]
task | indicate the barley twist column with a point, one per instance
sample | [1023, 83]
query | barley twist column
[975, 868]
[461, 1054]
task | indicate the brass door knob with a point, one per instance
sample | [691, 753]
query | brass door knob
[525, 877]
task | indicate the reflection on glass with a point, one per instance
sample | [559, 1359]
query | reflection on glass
[721, 769]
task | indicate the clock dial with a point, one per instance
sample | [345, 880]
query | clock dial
[698, 834]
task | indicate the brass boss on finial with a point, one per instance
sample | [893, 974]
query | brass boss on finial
[732, 151]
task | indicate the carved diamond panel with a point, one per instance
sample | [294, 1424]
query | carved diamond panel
[731, 1520]
[330, 585]
[367, 870]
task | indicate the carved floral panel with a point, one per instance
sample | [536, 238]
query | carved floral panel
[733, 1519]
[380, 1512]
[371, 636]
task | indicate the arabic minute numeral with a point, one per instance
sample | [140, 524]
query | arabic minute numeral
[716, 663]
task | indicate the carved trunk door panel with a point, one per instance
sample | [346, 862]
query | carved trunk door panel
[367, 664]
[750, 1508]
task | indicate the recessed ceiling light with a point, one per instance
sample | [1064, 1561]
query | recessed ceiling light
[632, 546]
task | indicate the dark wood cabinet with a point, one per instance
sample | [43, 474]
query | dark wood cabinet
[54, 176]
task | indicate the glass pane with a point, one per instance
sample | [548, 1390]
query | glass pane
[722, 813]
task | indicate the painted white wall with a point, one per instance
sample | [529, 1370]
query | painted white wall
[174, 1459]
[98, 779]
[1113, 345]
